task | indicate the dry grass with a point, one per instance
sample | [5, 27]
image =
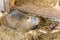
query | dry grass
[31, 6]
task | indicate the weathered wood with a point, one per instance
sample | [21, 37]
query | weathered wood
[2, 5]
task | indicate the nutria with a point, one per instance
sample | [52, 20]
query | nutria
[18, 19]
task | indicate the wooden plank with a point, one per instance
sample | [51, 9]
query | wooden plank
[2, 5]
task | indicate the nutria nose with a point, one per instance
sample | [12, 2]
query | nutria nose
[35, 27]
